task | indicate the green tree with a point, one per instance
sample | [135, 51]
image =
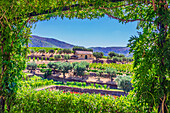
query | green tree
[124, 83]
[54, 65]
[51, 51]
[98, 55]
[66, 57]
[100, 72]
[65, 67]
[111, 54]
[46, 72]
[57, 57]
[79, 69]
[111, 72]
[77, 48]
[124, 59]
[60, 51]
[120, 59]
[120, 55]
[67, 51]
[115, 58]
[31, 66]
[75, 63]
[42, 51]
[85, 63]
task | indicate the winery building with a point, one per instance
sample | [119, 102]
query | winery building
[84, 54]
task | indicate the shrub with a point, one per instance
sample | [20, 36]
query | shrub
[42, 51]
[120, 59]
[42, 59]
[66, 57]
[130, 59]
[31, 66]
[33, 58]
[43, 65]
[97, 85]
[97, 74]
[67, 51]
[92, 85]
[124, 83]
[88, 70]
[128, 74]
[108, 57]
[120, 73]
[50, 64]
[105, 57]
[87, 73]
[124, 59]
[79, 84]
[84, 84]
[101, 86]
[98, 55]
[64, 68]
[47, 73]
[57, 57]
[111, 72]
[75, 48]
[80, 69]
[115, 58]
[60, 51]
[51, 51]
[75, 63]
[95, 70]
[100, 72]
[85, 63]
[68, 83]
[105, 86]
[43, 70]
[54, 65]
[111, 54]
[51, 59]
[46, 58]
[120, 55]
[72, 83]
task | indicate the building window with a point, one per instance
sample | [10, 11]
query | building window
[90, 55]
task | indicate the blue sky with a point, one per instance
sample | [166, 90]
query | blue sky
[102, 32]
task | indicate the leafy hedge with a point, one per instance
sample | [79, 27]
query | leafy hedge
[58, 102]
[29, 100]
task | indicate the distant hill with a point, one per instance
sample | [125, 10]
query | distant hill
[106, 50]
[38, 41]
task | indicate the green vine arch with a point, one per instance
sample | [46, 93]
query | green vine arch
[151, 48]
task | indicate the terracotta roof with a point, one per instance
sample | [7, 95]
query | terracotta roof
[84, 52]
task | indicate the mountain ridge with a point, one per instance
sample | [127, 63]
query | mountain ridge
[38, 41]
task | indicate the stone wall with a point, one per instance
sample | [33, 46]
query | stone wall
[81, 90]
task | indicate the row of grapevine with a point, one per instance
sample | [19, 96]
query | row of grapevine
[36, 49]
[119, 67]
